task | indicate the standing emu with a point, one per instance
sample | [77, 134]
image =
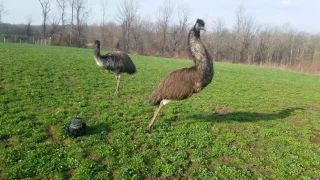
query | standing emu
[116, 61]
[182, 83]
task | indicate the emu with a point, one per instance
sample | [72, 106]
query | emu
[115, 61]
[182, 83]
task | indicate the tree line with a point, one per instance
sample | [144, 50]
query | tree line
[247, 41]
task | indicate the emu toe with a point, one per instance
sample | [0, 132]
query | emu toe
[148, 129]
[117, 93]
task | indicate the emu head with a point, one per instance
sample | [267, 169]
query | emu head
[97, 44]
[199, 25]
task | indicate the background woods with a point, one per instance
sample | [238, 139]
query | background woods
[247, 41]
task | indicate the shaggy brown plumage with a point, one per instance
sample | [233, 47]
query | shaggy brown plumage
[177, 85]
[116, 61]
[182, 83]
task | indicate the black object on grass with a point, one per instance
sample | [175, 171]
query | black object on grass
[75, 128]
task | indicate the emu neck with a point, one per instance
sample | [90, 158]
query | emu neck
[202, 59]
[97, 51]
[97, 57]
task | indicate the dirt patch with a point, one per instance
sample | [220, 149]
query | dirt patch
[234, 144]
[96, 116]
[316, 140]
[316, 136]
[10, 142]
[174, 123]
[53, 136]
[51, 132]
[107, 138]
[222, 110]
[71, 79]
[93, 157]
[69, 173]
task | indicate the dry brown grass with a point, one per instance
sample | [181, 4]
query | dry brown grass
[307, 67]
[303, 67]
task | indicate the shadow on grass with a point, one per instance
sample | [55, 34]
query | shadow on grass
[98, 129]
[245, 116]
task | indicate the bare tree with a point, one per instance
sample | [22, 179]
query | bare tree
[82, 15]
[218, 30]
[139, 35]
[72, 4]
[62, 5]
[104, 4]
[127, 12]
[144, 39]
[164, 18]
[28, 26]
[80, 12]
[54, 25]
[3, 11]
[245, 29]
[304, 47]
[103, 24]
[183, 16]
[45, 4]
[262, 46]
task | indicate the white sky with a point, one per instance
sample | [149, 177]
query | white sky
[299, 14]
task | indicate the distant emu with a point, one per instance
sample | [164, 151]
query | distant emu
[116, 61]
[182, 83]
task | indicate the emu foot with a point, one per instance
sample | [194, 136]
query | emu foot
[117, 93]
[148, 129]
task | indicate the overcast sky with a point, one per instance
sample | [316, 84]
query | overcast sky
[301, 15]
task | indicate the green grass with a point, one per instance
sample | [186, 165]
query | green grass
[249, 123]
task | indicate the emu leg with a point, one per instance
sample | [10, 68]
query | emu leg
[118, 77]
[156, 112]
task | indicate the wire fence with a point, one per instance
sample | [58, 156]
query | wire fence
[25, 39]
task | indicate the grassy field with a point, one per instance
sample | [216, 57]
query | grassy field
[249, 123]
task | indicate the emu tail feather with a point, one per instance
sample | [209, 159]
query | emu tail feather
[154, 99]
[130, 68]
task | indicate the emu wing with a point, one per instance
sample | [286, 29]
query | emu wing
[122, 62]
[177, 85]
